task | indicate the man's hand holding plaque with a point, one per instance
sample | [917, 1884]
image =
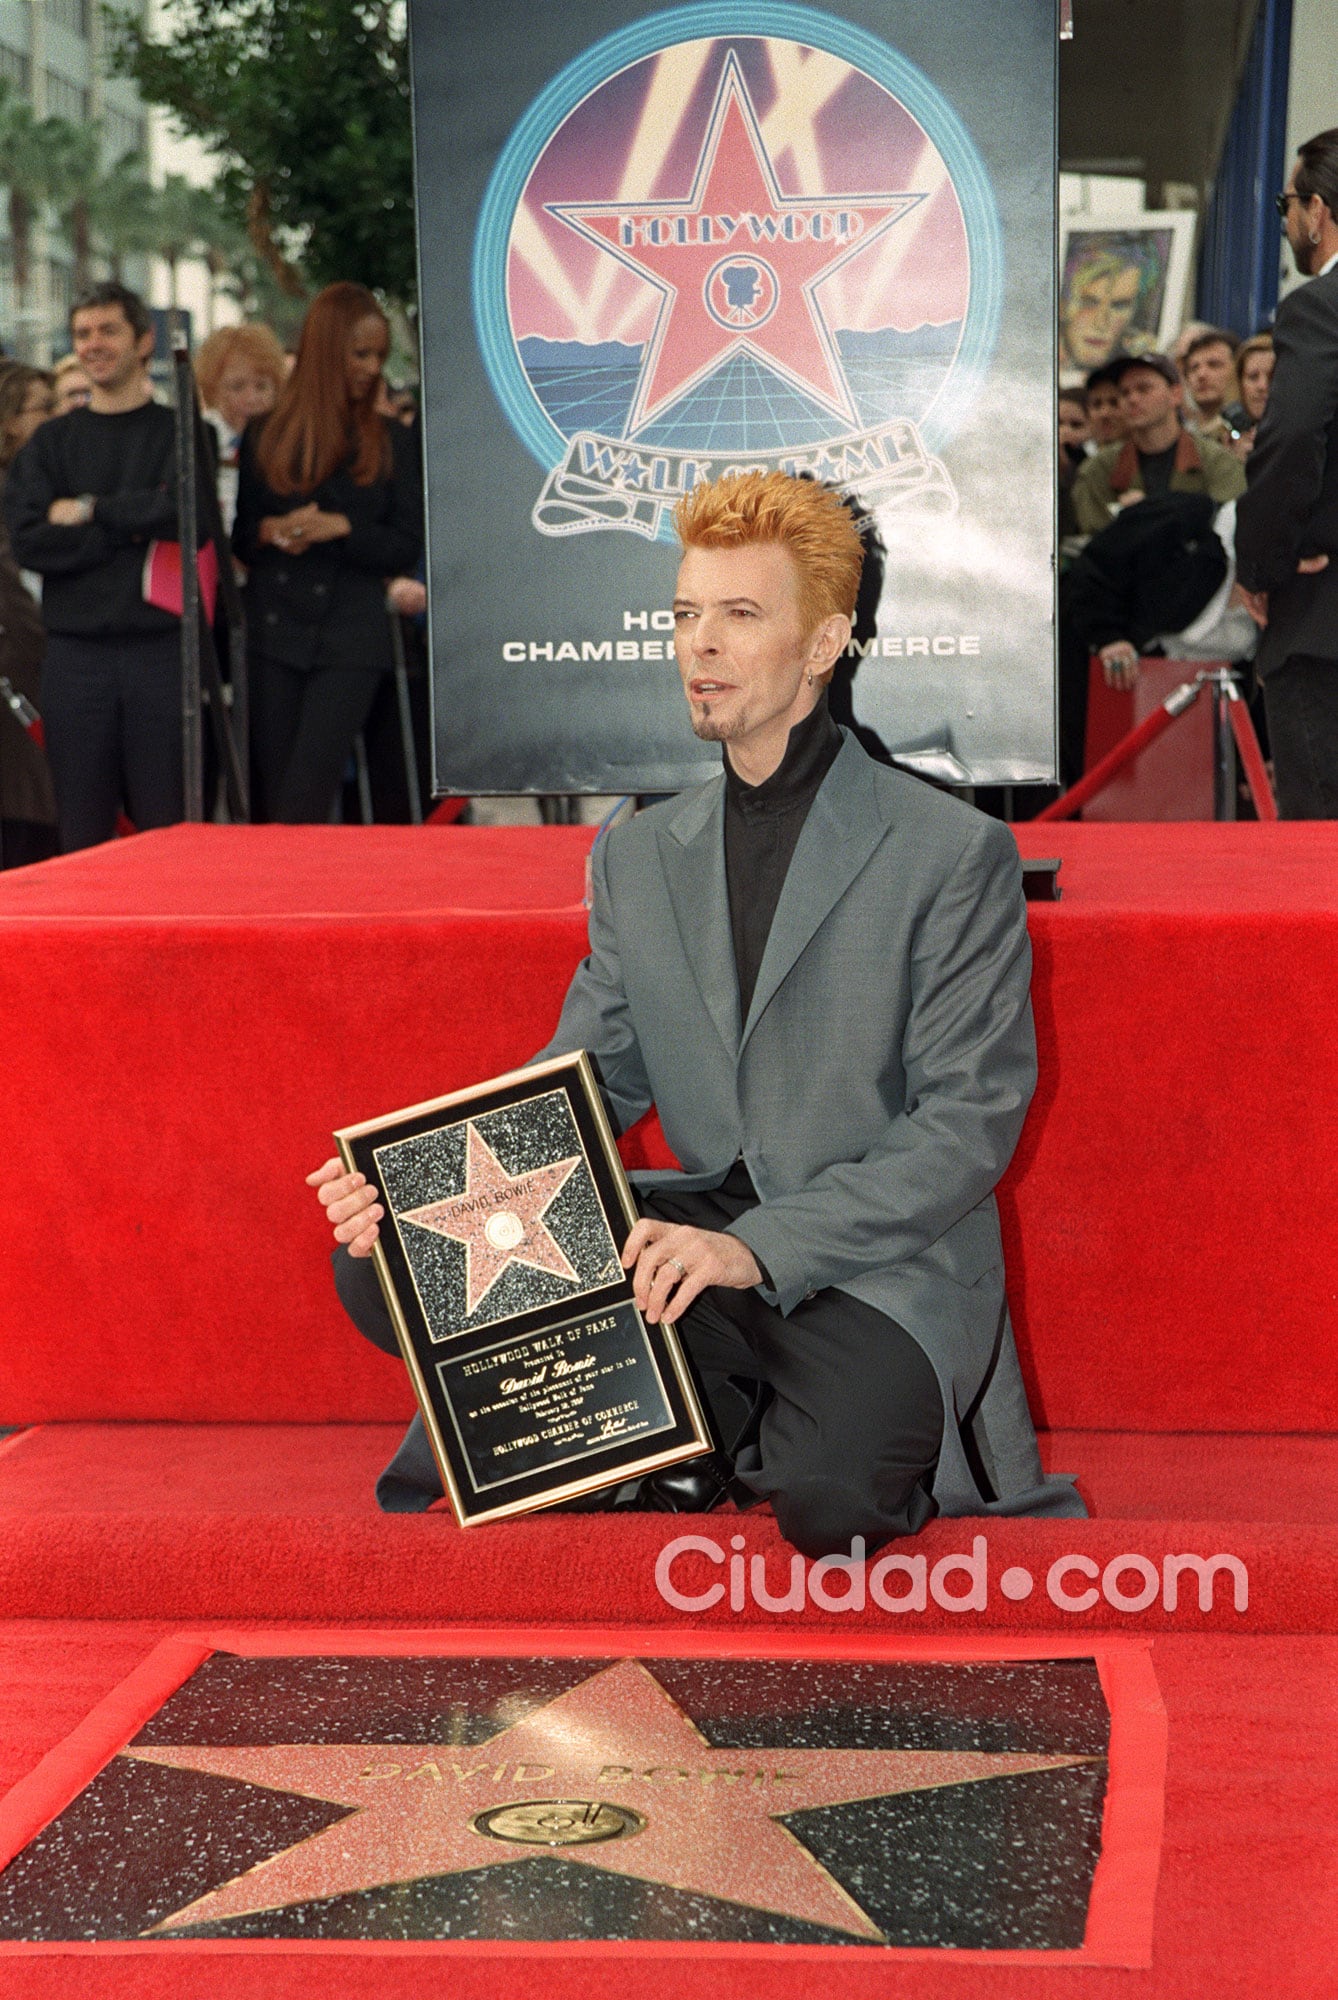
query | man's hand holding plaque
[352, 1204]
[672, 1264]
[504, 1235]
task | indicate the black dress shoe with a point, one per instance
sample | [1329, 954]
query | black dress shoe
[698, 1486]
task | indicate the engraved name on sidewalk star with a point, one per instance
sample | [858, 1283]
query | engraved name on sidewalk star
[612, 1774]
[499, 1218]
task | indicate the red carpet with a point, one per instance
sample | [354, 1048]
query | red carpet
[193, 1012]
[1183, 996]
[125, 1521]
[328, 1469]
[1247, 1902]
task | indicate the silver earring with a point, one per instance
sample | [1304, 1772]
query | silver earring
[1314, 237]
[810, 676]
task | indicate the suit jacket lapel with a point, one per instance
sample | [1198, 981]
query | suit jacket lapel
[692, 853]
[843, 827]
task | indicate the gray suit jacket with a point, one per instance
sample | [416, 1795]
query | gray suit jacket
[1290, 507]
[877, 1088]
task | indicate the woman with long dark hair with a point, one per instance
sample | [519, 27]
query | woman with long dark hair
[329, 506]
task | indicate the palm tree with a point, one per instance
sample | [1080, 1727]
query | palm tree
[32, 150]
[76, 192]
[223, 241]
[183, 216]
[121, 212]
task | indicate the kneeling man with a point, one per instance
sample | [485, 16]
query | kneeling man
[817, 970]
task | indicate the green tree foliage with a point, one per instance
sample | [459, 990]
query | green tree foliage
[307, 103]
[32, 160]
[78, 191]
[121, 213]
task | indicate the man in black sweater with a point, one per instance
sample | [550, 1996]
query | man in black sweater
[84, 498]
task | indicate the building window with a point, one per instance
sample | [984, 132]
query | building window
[65, 99]
[16, 68]
[73, 15]
[122, 134]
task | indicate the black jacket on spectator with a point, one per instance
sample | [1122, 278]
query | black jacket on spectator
[1151, 572]
[25, 781]
[327, 607]
[93, 576]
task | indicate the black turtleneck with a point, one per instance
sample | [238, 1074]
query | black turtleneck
[762, 825]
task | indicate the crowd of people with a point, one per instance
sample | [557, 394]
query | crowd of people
[315, 463]
[1172, 432]
[1198, 509]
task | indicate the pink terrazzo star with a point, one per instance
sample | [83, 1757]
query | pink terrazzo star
[700, 1819]
[499, 1218]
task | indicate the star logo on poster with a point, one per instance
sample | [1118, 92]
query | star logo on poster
[498, 1217]
[611, 1775]
[737, 263]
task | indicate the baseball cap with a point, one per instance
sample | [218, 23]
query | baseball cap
[1116, 369]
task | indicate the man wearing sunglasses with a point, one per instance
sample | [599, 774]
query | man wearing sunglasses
[1287, 520]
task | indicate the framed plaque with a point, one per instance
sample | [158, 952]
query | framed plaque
[506, 1211]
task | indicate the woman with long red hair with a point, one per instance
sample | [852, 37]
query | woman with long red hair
[329, 507]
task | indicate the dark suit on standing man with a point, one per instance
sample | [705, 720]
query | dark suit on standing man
[1289, 512]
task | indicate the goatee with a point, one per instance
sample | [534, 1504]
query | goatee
[709, 728]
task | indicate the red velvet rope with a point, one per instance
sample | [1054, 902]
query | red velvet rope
[1095, 780]
[1252, 760]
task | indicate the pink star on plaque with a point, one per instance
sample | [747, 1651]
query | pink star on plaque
[737, 263]
[499, 1218]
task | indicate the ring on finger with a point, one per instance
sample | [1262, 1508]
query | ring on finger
[678, 1265]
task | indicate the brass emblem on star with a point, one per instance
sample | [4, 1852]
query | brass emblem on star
[558, 1822]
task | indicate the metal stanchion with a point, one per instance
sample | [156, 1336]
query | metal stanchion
[364, 778]
[1224, 752]
[228, 706]
[192, 748]
[1232, 726]
[407, 743]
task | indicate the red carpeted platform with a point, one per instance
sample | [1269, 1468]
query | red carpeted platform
[190, 1015]
[194, 1011]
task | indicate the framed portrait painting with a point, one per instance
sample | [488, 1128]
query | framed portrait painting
[1122, 287]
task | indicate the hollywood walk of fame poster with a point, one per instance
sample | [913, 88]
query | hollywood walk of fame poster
[660, 244]
[506, 1211]
[977, 1798]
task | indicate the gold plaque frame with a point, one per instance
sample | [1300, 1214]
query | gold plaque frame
[511, 1331]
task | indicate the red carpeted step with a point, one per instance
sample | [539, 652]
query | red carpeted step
[120, 1565]
[147, 1521]
[1200, 1475]
[332, 1468]
[1247, 1903]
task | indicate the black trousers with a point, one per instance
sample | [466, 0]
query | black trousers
[834, 1415]
[1301, 702]
[303, 723]
[111, 709]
